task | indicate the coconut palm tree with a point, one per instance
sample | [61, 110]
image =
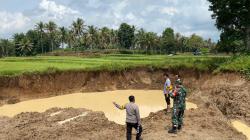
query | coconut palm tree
[71, 39]
[40, 29]
[92, 35]
[17, 37]
[63, 35]
[5, 45]
[177, 42]
[140, 39]
[105, 37]
[25, 46]
[1, 48]
[150, 40]
[51, 27]
[183, 42]
[114, 37]
[78, 28]
[146, 40]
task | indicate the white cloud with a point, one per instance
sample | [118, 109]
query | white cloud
[151, 8]
[12, 21]
[184, 16]
[94, 3]
[117, 10]
[130, 16]
[56, 11]
[148, 9]
[169, 11]
[172, 1]
[115, 14]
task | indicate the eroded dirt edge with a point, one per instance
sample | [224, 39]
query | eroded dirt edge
[220, 98]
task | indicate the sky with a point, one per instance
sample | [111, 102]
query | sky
[184, 16]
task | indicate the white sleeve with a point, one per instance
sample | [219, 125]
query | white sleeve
[168, 83]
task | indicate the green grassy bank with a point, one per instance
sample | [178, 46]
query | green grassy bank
[13, 66]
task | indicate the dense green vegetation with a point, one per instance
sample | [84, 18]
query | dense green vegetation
[232, 19]
[15, 66]
[237, 64]
[48, 37]
[128, 46]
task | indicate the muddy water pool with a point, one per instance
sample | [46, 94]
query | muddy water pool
[148, 101]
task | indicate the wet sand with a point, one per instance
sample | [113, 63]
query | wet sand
[241, 127]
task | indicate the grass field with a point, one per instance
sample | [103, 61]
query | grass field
[237, 64]
[13, 66]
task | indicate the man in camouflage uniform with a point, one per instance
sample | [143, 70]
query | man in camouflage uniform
[178, 79]
[179, 106]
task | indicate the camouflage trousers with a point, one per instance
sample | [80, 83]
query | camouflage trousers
[177, 116]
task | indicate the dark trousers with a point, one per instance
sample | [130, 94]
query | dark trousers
[180, 117]
[167, 98]
[177, 116]
[129, 130]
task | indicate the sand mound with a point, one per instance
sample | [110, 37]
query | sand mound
[202, 123]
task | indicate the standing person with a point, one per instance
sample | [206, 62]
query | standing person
[133, 119]
[178, 79]
[167, 90]
[179, 106]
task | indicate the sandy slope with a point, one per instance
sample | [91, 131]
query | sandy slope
[203, 123]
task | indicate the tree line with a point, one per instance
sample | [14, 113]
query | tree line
[47, 37]
[233, 20]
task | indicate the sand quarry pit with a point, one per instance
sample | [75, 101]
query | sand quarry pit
[218, 106]
[148, 100]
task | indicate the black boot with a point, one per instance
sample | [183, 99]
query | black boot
[179, 127]
[173, 130]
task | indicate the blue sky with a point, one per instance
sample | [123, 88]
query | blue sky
[184, 16]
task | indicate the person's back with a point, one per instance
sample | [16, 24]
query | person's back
[133, 119]
[132, 113]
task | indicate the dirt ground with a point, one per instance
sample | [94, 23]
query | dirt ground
[203, 123]
[220, 98]
[25, 87]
